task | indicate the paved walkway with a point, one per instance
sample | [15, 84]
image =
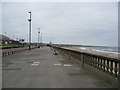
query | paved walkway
[40, 68]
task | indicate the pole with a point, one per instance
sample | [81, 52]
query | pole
[5, 33]
[41, 37]
[119, 72]
[29, 31]
[119, 43]
[13, 37]
[41, 40]
[38, 37]
[26, 38]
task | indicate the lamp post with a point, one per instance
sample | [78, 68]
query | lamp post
[13, 37]
[38, 37]
[41, 40]
[29, 31]
[5, 33]
[41, 37]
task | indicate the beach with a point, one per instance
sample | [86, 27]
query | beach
[107, 54]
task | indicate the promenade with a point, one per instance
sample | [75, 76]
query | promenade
[40, 68]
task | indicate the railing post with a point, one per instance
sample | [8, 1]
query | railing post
[115, 69]
[111, 67]
[82, 58]
[69, 54]
[95, 60]
[91, 61]
[98, 63]
[104, 65]
[108, 66]
[101, 63]
[88, 60]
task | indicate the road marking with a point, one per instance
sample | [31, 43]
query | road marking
[36, 62]
[67, 65]
[57, 64]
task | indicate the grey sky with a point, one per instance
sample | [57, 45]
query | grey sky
[89, 23]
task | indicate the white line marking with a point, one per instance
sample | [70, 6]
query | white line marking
[67, 65]
[36, 62]
[57, 64]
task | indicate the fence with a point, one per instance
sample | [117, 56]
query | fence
[10, 51]
[106, 64]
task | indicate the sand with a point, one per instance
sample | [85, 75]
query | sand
[107, 54]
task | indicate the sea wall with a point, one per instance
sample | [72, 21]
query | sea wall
[103, 67]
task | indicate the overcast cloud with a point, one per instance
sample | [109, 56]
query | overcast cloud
[89, 23]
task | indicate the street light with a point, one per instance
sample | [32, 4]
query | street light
[41, 37]
[5, 33]
[38, 37]
[13, 37]
[29, 31]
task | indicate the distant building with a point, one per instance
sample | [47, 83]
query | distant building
[50, 43]
[4, 39]
[21, 41]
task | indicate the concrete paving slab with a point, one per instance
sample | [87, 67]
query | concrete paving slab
[18, 72]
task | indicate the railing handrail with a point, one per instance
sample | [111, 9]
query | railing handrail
[106, 64]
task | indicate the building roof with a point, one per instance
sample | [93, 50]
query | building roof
[3, 37]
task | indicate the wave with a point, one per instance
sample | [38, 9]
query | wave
[102, 49]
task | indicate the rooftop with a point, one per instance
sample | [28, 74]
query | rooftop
[3, 37]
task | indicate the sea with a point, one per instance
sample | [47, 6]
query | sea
[107, 49]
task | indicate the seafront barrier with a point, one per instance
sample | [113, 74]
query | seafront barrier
[13, 51]
[107, 65]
